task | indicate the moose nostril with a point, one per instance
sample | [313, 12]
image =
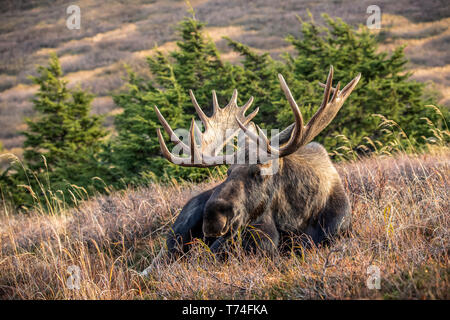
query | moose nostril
[215, 227]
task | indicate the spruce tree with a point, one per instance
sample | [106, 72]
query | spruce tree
[62, 141]
[258, 78]
[135, 151]
[195, 65]
[385, 87]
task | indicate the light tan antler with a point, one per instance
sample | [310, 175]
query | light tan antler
[300, 134]
[220, 128]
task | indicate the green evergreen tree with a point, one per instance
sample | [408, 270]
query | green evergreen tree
[135, 151]
[258, 78]
[196, 65]
[385, 87]
[62, 141]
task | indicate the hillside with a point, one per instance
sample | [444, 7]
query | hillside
[400, 225]
[115, 33]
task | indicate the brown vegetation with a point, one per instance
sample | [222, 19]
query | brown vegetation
[400, 224]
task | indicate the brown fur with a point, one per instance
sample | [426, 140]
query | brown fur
[293, 198]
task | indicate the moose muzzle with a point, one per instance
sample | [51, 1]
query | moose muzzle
[216, 220]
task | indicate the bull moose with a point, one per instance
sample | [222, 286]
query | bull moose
[304, 197]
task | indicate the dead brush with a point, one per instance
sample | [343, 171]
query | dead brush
[400, 225]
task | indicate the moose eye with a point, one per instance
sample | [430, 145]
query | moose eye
[254, 170]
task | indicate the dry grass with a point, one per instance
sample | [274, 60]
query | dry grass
[401, 224]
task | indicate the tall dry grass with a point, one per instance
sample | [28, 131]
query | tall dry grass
[401, 225]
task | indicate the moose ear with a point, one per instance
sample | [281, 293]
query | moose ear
[254, 170]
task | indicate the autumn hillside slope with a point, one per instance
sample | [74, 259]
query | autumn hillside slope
[87, 213]
[400, 225]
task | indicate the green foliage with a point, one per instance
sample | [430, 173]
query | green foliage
[384, 89]
[258, 78]
[196, 65]
[62, 142]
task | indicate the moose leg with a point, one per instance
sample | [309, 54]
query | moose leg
[188, 224]
[334, 218]
[261, 235]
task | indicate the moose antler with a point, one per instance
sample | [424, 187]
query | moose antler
[300, 134]
[220, 128]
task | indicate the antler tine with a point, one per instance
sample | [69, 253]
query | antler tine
[293, 104]
[197, 131]
[272, 151]
[350, 86]
[164, 150]
[185, 162]
[169, 130]
[195, 158]
[215, 102]
[251, 115]
[247, 105]
[323, 85]
[188, 162]
[260, 138]
[233, 100]
[200, 112]
[328, 109]
[297, 132]
[167, 154]
[327, 91]
[335, 92]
